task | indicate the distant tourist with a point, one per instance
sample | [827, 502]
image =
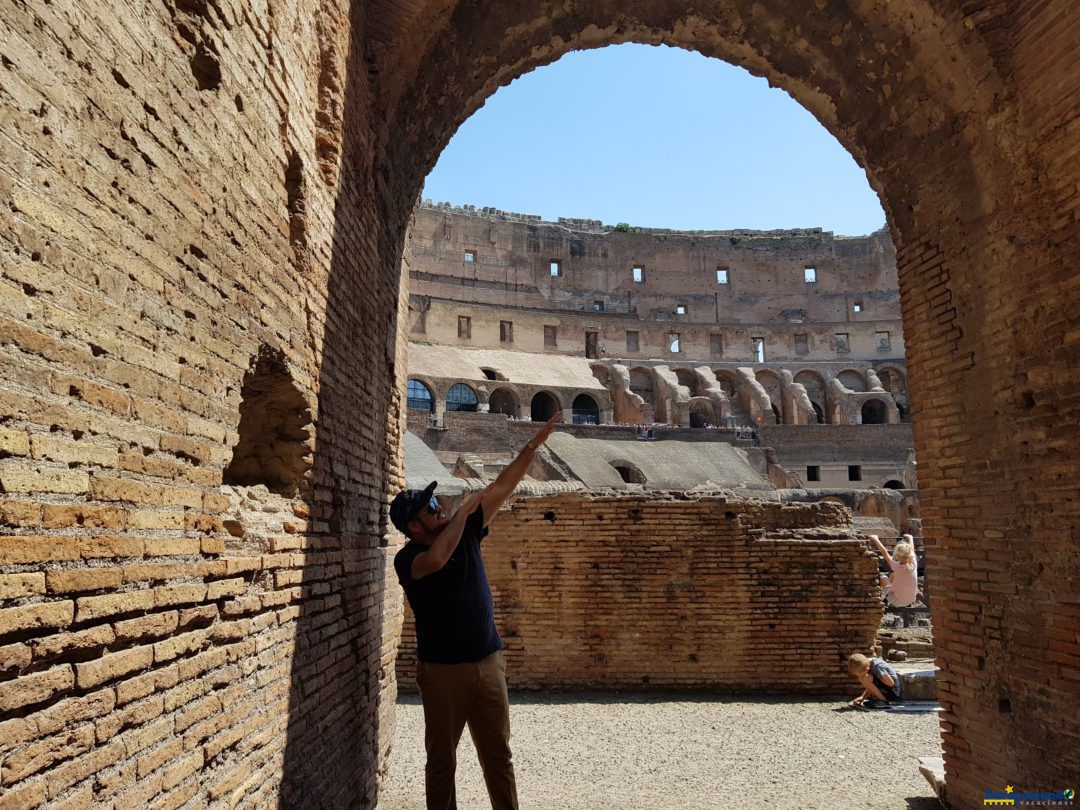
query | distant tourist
[461, 672]
[879, 681]
[901, 587]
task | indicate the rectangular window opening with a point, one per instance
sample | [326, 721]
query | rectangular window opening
[810, 275]
[722, 275]
[802, 345]
[591, 344]
[857, 306]
[813, 473]
[632, 343]
[551, 335]
[506, 331]
[758, 344]
[884, 341]
[674, 342]
[639, 275]
[598, 306]
[716, 345]
[470, 256]
[680, 309]
[854, 472]
[556, 268]
[464, 326]
[843, 343]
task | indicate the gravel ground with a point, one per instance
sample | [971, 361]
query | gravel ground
[591, 751]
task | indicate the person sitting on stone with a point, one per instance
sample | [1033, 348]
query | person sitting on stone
[879, 681]
[901, 587]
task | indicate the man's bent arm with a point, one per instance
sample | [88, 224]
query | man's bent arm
[432, 560]
[500, 489]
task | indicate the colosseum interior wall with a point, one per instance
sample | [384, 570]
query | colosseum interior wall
[190, 187]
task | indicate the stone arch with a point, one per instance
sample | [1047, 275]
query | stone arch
[946, 105]
[703, 412]
[628, 471]
[688, 378]
[960, 195]
[543, 406]
[894, 380]
[852, 379]
[875, 412]
[893, 483]
[643, 383]
[504, 400]
[585, 410]
[816, 389]
[774, 387]
[728, 381]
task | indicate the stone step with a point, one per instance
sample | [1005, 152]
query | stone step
[917, 682]
[918, 649]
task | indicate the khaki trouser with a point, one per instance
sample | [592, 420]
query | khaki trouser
[473, 693]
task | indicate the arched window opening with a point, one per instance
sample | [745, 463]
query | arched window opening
[629, 473]
[818, 412]
[461, 397]
[543, 407]
[585, 410]
[419, 397]
[893, 484]
[874, 413]
[275, 429]
[502, 401]
[779, 418]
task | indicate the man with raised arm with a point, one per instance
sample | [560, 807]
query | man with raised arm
[460, 671]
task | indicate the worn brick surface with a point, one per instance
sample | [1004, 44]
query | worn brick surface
[676, 592]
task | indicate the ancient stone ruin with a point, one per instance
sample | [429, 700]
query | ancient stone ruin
[206, 205]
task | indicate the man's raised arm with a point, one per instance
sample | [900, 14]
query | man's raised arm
[499, 489]
[432, 560]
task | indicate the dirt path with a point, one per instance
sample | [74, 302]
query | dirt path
[601, 751]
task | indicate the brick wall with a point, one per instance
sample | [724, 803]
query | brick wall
[676, 592]
[173, 204]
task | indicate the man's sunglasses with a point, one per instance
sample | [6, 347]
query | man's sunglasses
[431, 508]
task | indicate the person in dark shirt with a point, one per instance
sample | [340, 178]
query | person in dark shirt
[460, 672]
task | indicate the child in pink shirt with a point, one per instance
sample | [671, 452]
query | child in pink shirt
[902, 585]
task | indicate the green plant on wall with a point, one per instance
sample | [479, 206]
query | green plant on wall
[624, 227]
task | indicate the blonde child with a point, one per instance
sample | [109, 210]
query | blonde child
[879, 680]
[902, 585]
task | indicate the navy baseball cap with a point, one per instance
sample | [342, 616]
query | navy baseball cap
[408, 504]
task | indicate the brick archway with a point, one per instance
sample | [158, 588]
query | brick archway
[919, 101]
[223, 178]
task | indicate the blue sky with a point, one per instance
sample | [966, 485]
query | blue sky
[659, 137]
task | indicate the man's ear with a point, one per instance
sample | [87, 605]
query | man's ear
[412, 526]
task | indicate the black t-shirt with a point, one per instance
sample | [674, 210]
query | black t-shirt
[455, 616]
